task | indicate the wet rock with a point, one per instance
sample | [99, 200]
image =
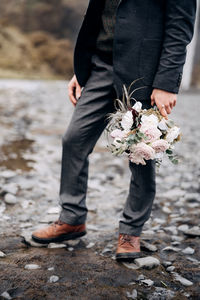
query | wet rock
[90, 245]
[53, 279]
[73, 242]
[148, 282]
[53, 210]
[2, 254]
[132, 295]
[10, 199]
[193, 232]
[182, 280]
[70, 248]
[6, 295]
[8, 174]
[130, 266]
[27, 240]
[56, 246]
[32, 267]
[188, 250]
[173, 249]
[170, 269]
[148, 262]
[183, 227]
[149, 247]
[11, 188]
[161, 294]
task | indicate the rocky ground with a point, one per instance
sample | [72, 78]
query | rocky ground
[33, 118]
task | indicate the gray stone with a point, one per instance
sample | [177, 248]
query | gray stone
[174, 194]
[27, 239]
[8, 174]
[53, 210]
[140, 277]
[73, 242]
[194, 231]
[90, 245]
[183, 227]
[148, 282]
[148, 262]
[147, 246]
[2, 254]
[10, 199]
[161, 294]
[188, 250]
[182, 280]
[51, 269]
[169, 248]
[167, 263]
[131, 266]
[31, 267]
[70, 248]
[132, 295]
[6, 295]
[11, 188]
[56, 246]
[53, 279]
[170, 269]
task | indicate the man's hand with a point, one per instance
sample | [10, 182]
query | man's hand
[164, 100]
[74, 90]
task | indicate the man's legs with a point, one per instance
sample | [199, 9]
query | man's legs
[86, 126]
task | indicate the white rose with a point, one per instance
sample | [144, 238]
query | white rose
[150, 120]
[172, 134]
[127, 121]
[118, 143]
[137, 106]
[117, 133]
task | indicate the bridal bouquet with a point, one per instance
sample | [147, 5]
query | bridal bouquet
[141, 134]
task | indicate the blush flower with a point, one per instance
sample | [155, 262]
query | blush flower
[150, 120]
[172, 134]
[160, 145]
[136, 159]
[117, 133]
[143, 150]
[152, 133]
[127, 121]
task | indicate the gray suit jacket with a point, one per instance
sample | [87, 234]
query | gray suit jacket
[150, 41]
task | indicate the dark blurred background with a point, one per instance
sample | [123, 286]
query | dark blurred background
[37, 39]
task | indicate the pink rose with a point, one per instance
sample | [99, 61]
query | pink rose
[118, 133]
[136, 159]
[160, 145]
[143, 150]
[153, 133]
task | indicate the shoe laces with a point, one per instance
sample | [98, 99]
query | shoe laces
[58, 222]
[127, 239]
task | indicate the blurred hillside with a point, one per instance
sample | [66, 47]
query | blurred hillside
[37, 37]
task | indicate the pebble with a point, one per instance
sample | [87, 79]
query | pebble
[170, 269]
[6, 295]
[53, 279]
[73, 242]
[130, 266]
[53, 210]
[56, 246]
[27, 240]
[140, 277]
[148, 246]
[167, 263]
[194, 231]
[162, 294]
[70, 248]
[183, 227]
[169, 248]
[51, 269]
[8, 174]
[166, 210]
[148, 282]
[132, 295]
[188, 250]
[182, 280]
[31, 267]
[11, 188]
[90, 245]
[10, 199]
[2, 254]
[148, 262]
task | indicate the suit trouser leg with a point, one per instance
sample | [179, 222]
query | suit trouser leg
[87, 124]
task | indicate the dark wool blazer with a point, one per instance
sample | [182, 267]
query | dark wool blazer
[150, 42]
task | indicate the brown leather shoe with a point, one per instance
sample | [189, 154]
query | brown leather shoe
[58, 232]
[128, 247]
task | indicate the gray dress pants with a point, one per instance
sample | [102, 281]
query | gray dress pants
[87, 123]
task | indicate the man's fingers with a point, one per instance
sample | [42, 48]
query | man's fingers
[168, 109]
[78, 91]
[163, 112]
[71, 91]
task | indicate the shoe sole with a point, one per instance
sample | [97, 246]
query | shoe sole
[61, 238]
[126, 256]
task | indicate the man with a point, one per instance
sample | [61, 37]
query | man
[119, 41]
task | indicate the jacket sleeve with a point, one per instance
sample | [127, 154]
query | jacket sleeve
[178, 32]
